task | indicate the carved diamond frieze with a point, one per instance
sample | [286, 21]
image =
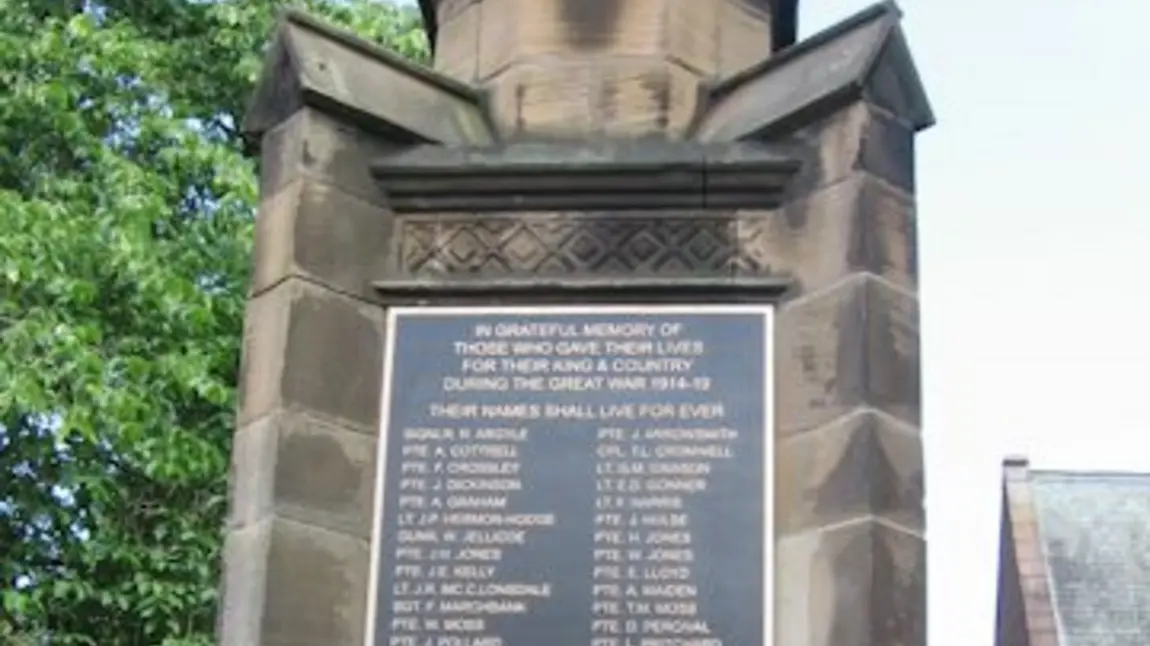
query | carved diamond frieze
[755, 239]
[576, 244]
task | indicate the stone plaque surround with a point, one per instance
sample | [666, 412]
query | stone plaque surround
[563, 451]
[791, 183]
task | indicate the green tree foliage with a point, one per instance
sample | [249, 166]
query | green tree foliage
[126, 211]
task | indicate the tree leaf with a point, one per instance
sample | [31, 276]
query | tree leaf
[128, 211]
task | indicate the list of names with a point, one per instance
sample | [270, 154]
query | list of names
[574, 478]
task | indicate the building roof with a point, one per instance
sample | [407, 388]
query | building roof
[1093, 548]
[784, 23]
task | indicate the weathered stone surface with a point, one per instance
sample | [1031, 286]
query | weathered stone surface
[518, 30]
[606, 178]
[308, 348]
[317, 231]
[604, 155]
[447, 10]
[858, 138]
[785, 87]
[643, 96]
[744, 36]
[864, 464]
[251, 476]
[858, 224]
[705, 36]
[894, 85]
[692, 37]
[884, 231]
[858, 584]
[548, 97]
[853, 345]
[304, 468]
[716, 38]
[242, 590]
[262, 360]
[312, 63]
[850, 562]
[317, 145]
[457, 51]
[567, 98]
[571, 244]
[561, 69]
[702, 14]
[888, 151]
[818, 77]
[497, 50]
[290, 584]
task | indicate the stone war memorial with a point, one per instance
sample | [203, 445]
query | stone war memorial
[603, 331]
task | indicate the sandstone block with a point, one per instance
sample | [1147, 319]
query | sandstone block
[311, 63]
[859, 138]
[290, 584]
[744, 35]
[554, 97]
[311, 349]
[632, 97]
[317, 145]
[858, 224]
[693, 34]
[865, 464]
[457, 48]
[244, 584]
[644, 97]
[304, 468]
[861, 584]
[315, 230]
[447, 10]
[516, 31]
[853, 345]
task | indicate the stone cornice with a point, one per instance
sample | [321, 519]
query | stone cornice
[313, 63]
[862, 57]
[609, 175]
[678, 289]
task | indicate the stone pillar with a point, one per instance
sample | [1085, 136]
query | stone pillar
[588, 68]
[851, 554]
[303, 455]
[564, 151]
[303, 459]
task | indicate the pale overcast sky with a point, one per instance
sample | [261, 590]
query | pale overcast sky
[1034, 211]
[1034, 220]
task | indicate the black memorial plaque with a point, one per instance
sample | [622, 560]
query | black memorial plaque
[593, 476]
